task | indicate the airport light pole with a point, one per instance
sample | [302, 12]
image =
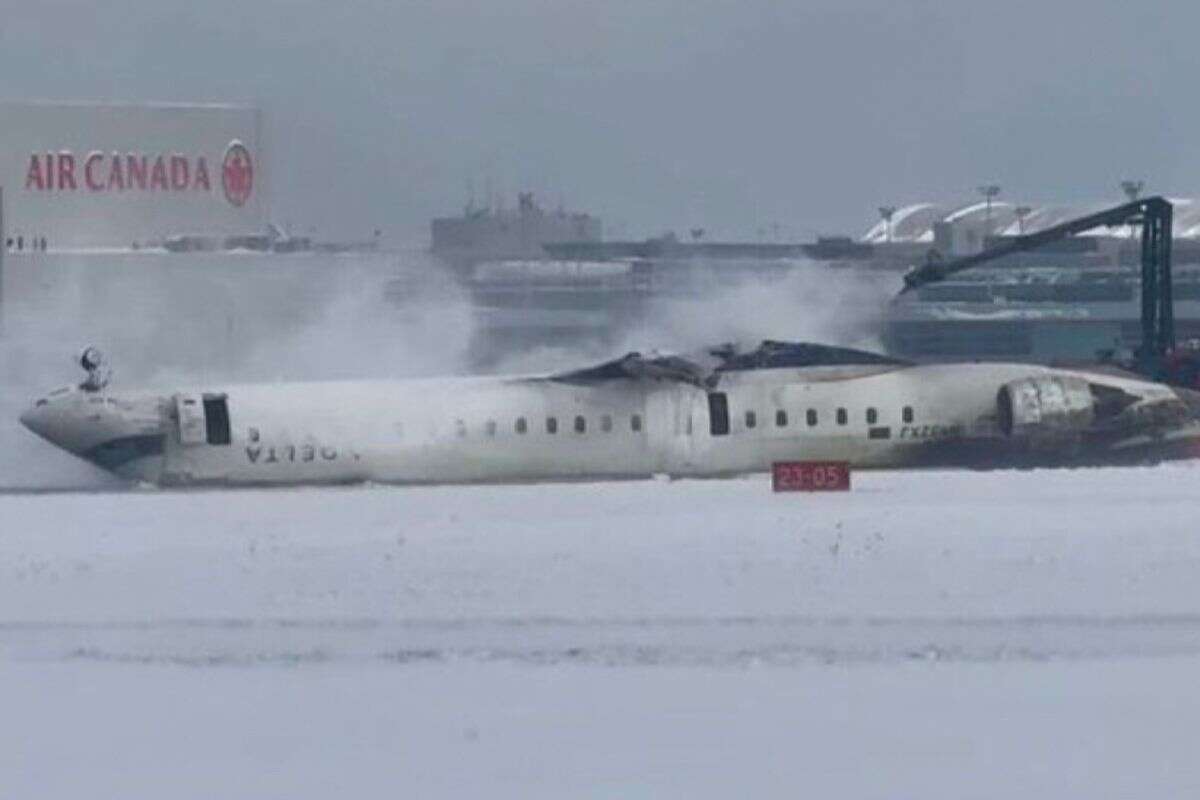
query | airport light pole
[887, 212]
[1022, 212]
[990, 192]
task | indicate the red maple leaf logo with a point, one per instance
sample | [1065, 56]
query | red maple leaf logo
[237, 173]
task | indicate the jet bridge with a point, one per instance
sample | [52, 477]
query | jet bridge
[1154, 215]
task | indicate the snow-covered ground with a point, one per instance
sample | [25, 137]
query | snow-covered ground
[930, 634]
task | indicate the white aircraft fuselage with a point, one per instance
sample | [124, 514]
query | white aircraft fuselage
[621, 424]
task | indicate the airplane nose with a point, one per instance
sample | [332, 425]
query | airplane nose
[34, 418]
[58, 420]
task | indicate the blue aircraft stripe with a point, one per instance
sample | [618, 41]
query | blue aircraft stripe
[117, 452]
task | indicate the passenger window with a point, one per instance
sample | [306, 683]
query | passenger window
[751, 419]
[635, 423]
[490, 427]
[841, 416]
[606, 423]
[811, 417]
[580, 425]
[551, 424]
[907, 414]
[781, 419]
[872, 416]
[521, 425]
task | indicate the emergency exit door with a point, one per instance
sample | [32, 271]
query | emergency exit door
[718, 413]
[189, 413]
[203, 419]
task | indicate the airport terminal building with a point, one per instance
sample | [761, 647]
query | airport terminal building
[82, 176]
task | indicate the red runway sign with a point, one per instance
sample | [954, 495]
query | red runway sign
[810, 476]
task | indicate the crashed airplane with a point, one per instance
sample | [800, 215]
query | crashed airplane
[721, 413]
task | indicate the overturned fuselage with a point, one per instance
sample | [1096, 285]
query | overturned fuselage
[632, 417]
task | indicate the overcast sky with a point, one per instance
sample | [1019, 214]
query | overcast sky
[654, 114]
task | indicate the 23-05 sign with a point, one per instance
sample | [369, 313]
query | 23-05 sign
[810, 476]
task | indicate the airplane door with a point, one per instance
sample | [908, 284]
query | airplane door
[718, 414]
[676, 415]
[189, 411]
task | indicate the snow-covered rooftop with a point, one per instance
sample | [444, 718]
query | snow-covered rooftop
[914, 223]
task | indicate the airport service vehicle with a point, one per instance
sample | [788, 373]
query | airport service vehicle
[721, 412]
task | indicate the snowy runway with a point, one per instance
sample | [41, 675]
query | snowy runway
[964, 634]
[1093, 729]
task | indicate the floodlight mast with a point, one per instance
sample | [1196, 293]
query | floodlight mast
[990, 192]
[1153, 214]
[1021, 212]
[886, 213]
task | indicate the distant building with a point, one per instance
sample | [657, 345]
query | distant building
[497, 233]
[913, 230]
[103, 175]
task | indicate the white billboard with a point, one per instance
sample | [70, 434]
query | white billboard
[107, 175]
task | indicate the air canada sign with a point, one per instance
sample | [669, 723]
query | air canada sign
[113, 172]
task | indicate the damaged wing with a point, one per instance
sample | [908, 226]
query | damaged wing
[635, 366]
[704, 369]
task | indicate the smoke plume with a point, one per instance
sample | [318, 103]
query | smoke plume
[212, 320]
